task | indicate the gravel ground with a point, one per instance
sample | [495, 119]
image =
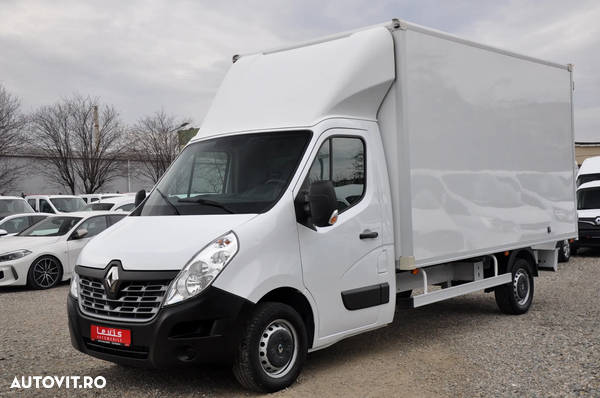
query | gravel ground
[463, 347]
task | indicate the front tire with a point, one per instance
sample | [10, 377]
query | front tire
[515, 298]
[564, 251]
[272, 348]
[44, 273]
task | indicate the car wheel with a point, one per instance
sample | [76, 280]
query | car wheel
[515, 298]
[44, 273]
[272, 348]
[564, 251]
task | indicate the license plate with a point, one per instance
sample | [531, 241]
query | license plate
[111, 335]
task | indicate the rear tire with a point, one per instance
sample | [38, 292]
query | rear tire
[564, 251]
[515, 298]
[272, 348]
[44, 273]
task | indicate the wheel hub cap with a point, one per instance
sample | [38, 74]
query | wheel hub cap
[521, 287]
[278, 348]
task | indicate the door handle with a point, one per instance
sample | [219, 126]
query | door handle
[367, 234]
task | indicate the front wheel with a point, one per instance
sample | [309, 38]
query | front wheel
[564, 251]
[44, 273]
[515, 298]
[272, 349]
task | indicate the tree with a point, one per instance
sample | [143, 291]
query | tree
[155, 142]
[80, 154]
[12, 139]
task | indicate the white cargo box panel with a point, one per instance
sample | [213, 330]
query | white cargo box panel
[482, 141]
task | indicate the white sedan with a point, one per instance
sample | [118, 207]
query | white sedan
[119, 203]
[45, 253]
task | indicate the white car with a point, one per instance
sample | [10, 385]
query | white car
[120, 203]
[14, 223]
[94, 197]
[12, 205]
[45, 253]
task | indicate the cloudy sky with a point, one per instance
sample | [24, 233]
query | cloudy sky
[143, 56]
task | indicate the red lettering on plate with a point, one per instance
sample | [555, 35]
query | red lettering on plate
[111, 335]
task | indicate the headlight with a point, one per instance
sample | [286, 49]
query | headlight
[17, 254]
[75, 285]
[202, 269]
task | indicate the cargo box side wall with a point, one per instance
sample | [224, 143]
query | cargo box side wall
[490, 149]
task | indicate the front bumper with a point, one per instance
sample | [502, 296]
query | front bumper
[589, 236]
[202, 331]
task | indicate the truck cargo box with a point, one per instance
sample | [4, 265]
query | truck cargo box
[483, 139]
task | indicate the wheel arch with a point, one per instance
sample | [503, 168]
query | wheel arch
[296, 300]
[505, 262]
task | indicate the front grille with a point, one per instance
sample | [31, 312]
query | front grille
[136, 301]
[133, 351]
[587, 223]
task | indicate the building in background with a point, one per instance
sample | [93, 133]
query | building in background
[584, 150]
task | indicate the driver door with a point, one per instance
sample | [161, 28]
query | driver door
[340, 262]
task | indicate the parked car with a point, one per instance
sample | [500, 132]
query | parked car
[13, 205]
[14, 223]
[95, 197]
[588, 216]
[120, 203]
[55, 204]
[45, 253]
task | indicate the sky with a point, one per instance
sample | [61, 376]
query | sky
[144, 56]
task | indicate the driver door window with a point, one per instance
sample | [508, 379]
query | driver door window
[341, 160]
[45, 206]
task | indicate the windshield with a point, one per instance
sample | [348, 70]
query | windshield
[51, 226]
[98, 206]
[68, 205]
[587, 178]
[236, 174]
[14, 206]
[588, 198]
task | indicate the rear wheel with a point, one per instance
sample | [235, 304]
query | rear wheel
[515, 298]
[44, 273]
[272, 349]
[564, 251]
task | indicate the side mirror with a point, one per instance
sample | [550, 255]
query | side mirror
[139, 197]
[322, 204]
[3, 232]
[79, 234]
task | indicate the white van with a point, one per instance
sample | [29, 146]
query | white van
[55, 204]
[589, 170]
[329, 181]
[588, 212]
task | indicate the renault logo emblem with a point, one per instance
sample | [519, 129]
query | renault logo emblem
[111, 280]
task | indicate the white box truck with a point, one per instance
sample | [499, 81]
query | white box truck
[331, 181]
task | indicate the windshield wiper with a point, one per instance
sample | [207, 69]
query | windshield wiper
[207, 202]
[171, 205]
